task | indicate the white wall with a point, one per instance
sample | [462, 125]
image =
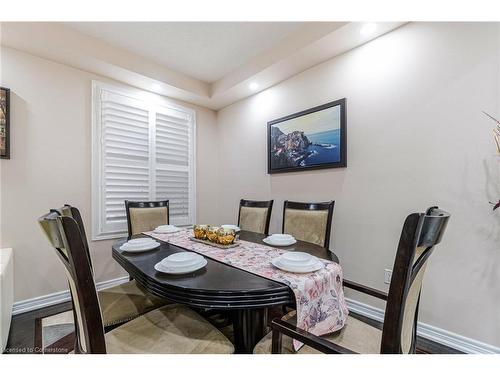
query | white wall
[50, 165]
[416, 137]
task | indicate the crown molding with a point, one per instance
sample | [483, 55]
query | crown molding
[311, 45]
[57, 42]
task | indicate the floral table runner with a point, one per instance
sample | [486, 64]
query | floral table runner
[321, 307]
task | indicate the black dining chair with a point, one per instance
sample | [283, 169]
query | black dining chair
[421, 232]
[170, 329]
[122, 302]
[309, 222]
[255, 216]
[146, 215]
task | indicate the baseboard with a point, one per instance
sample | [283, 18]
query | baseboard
[58, 297]
[450, 339]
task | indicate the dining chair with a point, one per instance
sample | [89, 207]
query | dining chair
[146, 216]
[421, 232]
[309, 222]
[170, 329]
[122, 302]
[255, 216]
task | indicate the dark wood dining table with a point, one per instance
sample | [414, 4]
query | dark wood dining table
[218, 286]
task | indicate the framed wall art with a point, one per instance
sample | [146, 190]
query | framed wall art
[311, 139]
[4, 123]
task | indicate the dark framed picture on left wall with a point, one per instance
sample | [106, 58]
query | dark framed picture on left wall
[4, 123]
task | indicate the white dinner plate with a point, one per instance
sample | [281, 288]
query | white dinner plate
[298, 265]
[165, 229]
[314, 266]
[180, 270]
[182, 259]
[281, 236]
[139, 249]
[296, 257]
[140, 241]
[280, 243]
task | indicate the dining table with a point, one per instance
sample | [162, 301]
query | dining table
[247, 297]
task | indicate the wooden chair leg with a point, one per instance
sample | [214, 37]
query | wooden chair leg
[276, 342]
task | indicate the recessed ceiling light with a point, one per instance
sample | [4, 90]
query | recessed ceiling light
[253, 86]
[368, 28]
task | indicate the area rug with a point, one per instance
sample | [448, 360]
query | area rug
[55, 334]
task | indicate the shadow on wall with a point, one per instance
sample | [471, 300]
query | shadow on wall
[492, 180]
[308, 186]
[16, 165]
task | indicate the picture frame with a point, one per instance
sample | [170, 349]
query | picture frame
[315, 138]
[4, 123]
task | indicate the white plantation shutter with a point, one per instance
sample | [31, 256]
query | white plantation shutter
[141, 151]
[172, 158]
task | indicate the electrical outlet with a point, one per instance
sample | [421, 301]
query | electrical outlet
[387, 276]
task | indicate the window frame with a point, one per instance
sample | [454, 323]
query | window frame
[153, 102]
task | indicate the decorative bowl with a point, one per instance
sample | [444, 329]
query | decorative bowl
[200, 231]
[212, 233]
[226, 236]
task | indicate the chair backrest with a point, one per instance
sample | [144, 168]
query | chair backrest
[310, 222]
[255, 216]
[65, 236]
[421, 232]
[146, 216]
[73, 212]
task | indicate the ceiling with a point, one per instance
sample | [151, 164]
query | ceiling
[204, 50]
[211, 64]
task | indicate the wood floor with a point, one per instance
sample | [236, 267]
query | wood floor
[22, 329]
[22, 332]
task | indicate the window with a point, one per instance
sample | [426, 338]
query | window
[143, 149]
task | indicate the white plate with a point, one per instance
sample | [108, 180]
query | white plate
[296, 257]
[140, 245]
[140, 241]
[298, 265]
[269, 241]
[166, 229]
[281, 236]
[231, 226]
[180, 270]
[138, 249]
[295, 269]
[182, 259]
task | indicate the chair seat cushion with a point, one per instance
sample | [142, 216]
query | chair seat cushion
[125, 302]
[174, 329]
[356, 335]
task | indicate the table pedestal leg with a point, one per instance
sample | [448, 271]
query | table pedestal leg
[249, 327]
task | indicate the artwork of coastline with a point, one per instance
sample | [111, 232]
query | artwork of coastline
[309, 140]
